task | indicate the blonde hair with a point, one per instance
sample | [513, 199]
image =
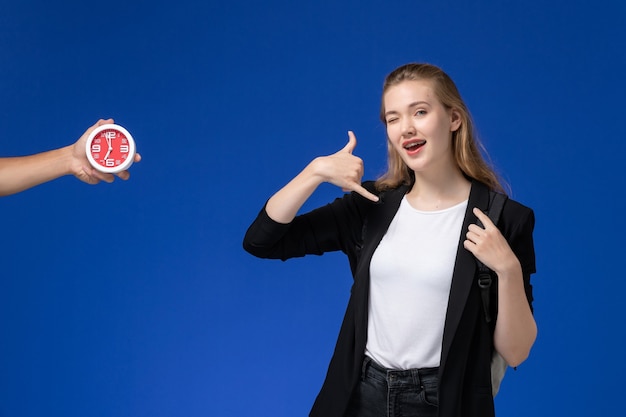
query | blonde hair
[465, 145]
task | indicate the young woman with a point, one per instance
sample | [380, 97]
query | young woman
[414, 340]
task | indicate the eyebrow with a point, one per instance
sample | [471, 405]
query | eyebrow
[410, 106]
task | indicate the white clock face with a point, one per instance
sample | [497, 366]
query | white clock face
[110, 148]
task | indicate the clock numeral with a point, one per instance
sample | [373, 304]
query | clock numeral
[97, 140]
[109, 162]
[95, 148]
[124, 148]
[124, 140]
[110, 135]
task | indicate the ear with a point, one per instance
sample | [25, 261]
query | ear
[455, 120]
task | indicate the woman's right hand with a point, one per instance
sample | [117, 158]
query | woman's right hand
[343, 169]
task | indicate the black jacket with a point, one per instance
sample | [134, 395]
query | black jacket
[356, 226]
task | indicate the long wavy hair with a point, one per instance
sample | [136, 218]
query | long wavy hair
[465, 145]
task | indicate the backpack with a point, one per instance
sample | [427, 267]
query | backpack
[485, 279]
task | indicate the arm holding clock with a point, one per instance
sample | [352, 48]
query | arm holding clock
[23, 172]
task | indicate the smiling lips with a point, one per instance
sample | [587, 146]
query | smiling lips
[413, 146]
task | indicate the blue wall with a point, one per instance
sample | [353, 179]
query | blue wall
[227, 101]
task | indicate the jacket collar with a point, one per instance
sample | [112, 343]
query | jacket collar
[464, 273]
[374, 229]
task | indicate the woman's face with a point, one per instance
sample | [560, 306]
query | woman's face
[419, 127]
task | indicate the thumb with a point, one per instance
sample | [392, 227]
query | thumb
[351, 142]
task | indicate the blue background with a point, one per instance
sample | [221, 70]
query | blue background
[136, 299]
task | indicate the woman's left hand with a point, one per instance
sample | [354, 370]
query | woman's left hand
[516, 329]
[489, 246]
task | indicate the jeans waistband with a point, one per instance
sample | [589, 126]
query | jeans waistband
[404, 376]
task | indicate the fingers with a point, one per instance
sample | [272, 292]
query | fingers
[103, 122]
[351, 143]
[124, 175]
[92, 176]
[363, 192]
[489, 245]
[345, 170]
[475, 232]
[101, 176]
[484, 219]
[356, 186]
[486, 243]
[84, 136]
[98, 123]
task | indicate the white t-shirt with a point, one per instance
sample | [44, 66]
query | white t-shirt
[410, 278]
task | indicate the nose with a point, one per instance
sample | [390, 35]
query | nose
[407, 128]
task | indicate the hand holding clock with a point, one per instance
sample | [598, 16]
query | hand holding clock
[83, 168]
[23, 172]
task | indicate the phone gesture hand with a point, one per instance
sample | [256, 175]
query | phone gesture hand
[345, 170]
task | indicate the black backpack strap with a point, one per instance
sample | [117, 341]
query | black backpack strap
[486, 275]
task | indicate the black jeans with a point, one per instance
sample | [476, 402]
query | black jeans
[390, 393]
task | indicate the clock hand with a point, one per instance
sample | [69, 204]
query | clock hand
[110, 148]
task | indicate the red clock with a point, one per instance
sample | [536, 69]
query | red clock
[110, 149]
